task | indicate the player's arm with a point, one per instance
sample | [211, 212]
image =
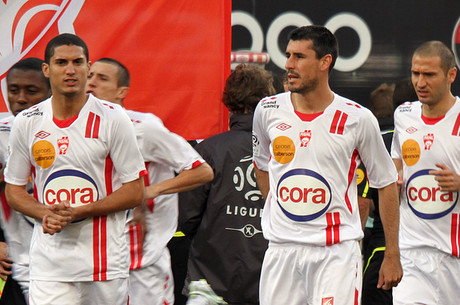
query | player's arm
[5, 262]
[19, 199]
[188, 179]
[262, 181]
[390, 271]
[128, 196]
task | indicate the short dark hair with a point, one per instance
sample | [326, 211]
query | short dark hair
[65, 39]
[324, 42]
[30, 64]
[381, 103]
[124, 79]
[404, 92]
[438, 48]
[245, 87]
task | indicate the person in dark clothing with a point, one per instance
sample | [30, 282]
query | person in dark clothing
[223, 216]
[384, 100]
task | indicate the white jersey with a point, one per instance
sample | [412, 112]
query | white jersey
[429, 217]
[16, 227]
[82, 162]
[311, 163]
[164, 153]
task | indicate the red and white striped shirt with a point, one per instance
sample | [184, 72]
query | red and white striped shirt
[311, 161]
[81, 160]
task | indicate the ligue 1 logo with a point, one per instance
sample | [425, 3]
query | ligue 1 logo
[456, 41]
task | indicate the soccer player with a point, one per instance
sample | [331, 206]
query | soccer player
[165, 154]
[426, 151]
[87, 170]
[307, 144]
[26, 86]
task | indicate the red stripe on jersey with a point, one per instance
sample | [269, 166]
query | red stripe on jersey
[454, 236]
[103, 248]
[356, 296]
[108, 175]
[97, 123]
[89, 125]
[149, 203]
[6, 208]
[343, 120]
[351, 175]
[132, 246]
[335, 121]
[135, 234]
[196, 163]
[336, 227]
[96, 249]
[329, 229]
[456, 126]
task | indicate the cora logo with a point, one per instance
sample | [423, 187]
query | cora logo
[303, 195]
[425, 197]
[71, 185]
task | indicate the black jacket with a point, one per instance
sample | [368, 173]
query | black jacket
[223, 217]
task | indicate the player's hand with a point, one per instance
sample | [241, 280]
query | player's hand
[59, 216]
[390, 273]
[5, 261]
[447, 179]
[138, 222]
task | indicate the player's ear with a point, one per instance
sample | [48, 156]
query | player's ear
[122, 92]
[45, 69]
[326, 61]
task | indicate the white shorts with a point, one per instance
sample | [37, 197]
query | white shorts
[113, 292]
[299, 274]
[431, 277]
[154, 283]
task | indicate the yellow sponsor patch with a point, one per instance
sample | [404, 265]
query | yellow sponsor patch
[44, 153]
[283, 149]
[410, 152]
[359, 176]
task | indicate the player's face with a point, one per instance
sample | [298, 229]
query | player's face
[25, 89]
[302, 66]
[430, 81]
[103, 81]
[68, 70]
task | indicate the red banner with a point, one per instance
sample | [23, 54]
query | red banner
[178, 52]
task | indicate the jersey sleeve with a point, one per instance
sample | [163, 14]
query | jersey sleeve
[163, 146]
[18, 166]
[260, 140]
[381, 170]
[395, 144]
[124, 151]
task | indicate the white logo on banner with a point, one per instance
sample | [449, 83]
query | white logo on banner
[13, 24]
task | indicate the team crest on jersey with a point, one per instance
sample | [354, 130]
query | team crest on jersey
[303, 194]
[305, 137]
[410, 152]
[74, 186]
[425, 197]
[283, 149]
[44, 153]
[63, 145]
[428, 140]
[327, 301]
